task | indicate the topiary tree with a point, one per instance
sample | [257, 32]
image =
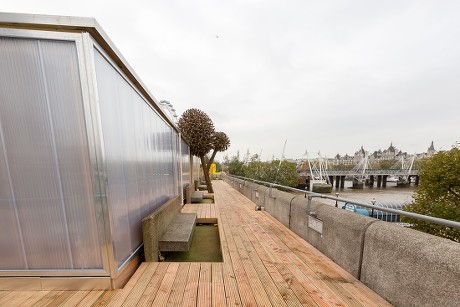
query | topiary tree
[438, 194]
[198, 129]
[220, 142]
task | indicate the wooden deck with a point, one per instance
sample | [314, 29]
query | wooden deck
[265, 264]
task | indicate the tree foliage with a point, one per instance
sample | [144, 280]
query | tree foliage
[197, 129]
[438, 194]
[276, 171]
[234, 166]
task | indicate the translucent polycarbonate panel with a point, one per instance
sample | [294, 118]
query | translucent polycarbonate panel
[139, 157]
[185, 164]
[46, 199]
[196, 168]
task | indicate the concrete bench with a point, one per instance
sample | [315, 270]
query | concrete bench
[178, 235]
[197, 197]
[202, 187]
[164, 219]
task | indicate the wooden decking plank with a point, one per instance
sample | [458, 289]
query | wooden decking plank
[161, 298]
[32, 300]
[318, 262]
[48, 298]
[315, 288]
[191, 290]
[288, 256]
[245, 293]
[217, 284]
[75, 298]
[263, 290]
[90, 299]
[61, 299]
[277, 246]
[231, 288]
[16, 298]
[267, 260]
[4, 293]
[349, 298]
[205, 208]
[213, 210]
[7, 296]
[104, 299]
[269, 276]
[136, 292]
[329, 277]
[294, 284]
[121, 294]
[232, 294]
[148, 296]
[277, 297]
[178, 288]
[366, 300]
[204, 286]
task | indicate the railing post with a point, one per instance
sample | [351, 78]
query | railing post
[309, 212]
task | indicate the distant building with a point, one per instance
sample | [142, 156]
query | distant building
[431, 151]
[342, 160]
[389, 154]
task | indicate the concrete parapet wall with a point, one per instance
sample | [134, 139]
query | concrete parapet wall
[278, 204]
[155, 224]
[405, 266]
[411, 268]
[299, 222]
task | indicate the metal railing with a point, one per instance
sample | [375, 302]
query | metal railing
[311, 195]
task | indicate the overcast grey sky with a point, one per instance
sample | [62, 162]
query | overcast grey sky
[327, 76]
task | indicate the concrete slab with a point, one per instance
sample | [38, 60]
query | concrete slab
[197, 197]
[202, 187]
[178, 235]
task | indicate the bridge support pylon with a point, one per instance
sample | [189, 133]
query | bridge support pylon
[371, 181]
[379, 181]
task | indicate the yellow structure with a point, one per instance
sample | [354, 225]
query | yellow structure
[213, 172]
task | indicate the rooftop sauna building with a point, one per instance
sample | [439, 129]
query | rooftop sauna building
[85, 154]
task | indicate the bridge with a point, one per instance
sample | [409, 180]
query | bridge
[362, 172]
[374, 176]
[372, 172]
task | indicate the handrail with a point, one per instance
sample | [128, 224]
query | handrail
[310, 195]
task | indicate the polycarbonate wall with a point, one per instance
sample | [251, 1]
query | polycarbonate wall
[47, 213]
[185, 164]
[140, 157]
[196, 168]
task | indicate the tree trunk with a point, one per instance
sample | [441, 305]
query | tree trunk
[206, 175]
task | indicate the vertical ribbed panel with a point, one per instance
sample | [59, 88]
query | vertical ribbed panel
[46, 190]
[185, 164]
[139, 157]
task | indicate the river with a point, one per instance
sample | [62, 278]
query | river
[390, 194]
